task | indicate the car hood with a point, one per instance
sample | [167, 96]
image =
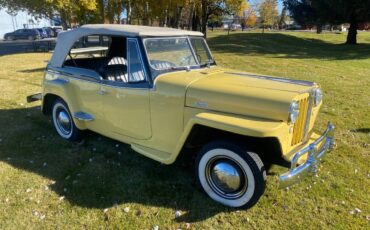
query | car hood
[241, 93]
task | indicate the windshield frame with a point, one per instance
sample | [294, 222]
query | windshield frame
[198, 64]
[207, 47]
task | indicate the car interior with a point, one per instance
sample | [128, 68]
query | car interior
[112, 64]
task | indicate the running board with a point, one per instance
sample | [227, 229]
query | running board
[81, 116]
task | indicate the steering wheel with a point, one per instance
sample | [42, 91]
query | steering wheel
[186, 60]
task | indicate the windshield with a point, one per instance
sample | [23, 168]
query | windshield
[201, 50]
[169, 53]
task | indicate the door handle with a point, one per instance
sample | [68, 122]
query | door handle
[102, 92]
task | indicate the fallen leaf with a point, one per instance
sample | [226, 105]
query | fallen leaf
[178, 214]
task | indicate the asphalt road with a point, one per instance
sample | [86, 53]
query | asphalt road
[23, 46]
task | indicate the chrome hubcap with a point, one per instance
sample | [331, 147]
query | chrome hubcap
[64, 122]
[226, 177]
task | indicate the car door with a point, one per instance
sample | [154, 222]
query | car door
[24, 34]
[18, 34]
[126, 103]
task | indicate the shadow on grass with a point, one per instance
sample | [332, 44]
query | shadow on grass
[99, 172]
[361, 130]
[286, 46]
[32, 70]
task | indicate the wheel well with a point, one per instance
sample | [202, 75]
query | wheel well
[47, 103]
[268, 148]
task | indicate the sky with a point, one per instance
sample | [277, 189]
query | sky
[256, 2]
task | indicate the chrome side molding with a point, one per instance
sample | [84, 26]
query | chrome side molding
[82, 116]
[285, 80]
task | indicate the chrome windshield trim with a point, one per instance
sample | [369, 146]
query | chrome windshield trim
[147, 55]
[285, 80]
[208, 49]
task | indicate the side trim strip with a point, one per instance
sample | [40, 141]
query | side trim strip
[81, 116]
[297, 82]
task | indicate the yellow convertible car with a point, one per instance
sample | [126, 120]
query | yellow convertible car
[160, 91]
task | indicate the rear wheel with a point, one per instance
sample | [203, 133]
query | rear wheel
[63, 122]
[230, 175]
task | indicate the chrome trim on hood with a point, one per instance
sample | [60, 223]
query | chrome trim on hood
[297, 82]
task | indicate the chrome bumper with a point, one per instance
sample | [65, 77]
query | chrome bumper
[308, 168]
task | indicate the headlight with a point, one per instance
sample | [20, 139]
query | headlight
[317, 96]
[293, 112]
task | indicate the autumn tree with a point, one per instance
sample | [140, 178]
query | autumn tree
[249, 17]
[268, 13]
[68, 10]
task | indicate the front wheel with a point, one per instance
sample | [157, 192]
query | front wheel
[230, 175]
[63, 122]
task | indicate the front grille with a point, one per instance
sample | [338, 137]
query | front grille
[299, 129]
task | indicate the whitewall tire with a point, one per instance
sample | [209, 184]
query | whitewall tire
[230, 175]
[63, 122]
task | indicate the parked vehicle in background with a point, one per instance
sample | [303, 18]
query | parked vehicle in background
[42, 32]
[56, 30]
[49, 32]
[29, 34]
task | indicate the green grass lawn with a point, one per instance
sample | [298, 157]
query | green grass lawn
[46, 182]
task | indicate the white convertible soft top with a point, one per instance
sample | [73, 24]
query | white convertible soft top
[67, 39]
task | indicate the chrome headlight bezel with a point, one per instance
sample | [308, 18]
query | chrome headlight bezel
[293, 112]
[317, 96]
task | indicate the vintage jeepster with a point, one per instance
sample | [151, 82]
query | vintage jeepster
[160, 91]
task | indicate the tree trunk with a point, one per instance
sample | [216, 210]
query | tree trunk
[204, 17]
[352, 33]
[64, 18]
[318, 28]
[128, 12]
[102, 17]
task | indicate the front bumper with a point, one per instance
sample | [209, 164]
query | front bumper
[316, 150]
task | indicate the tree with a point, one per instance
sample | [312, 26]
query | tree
[283, 18]
[332, 11]
[268, 13]
[304, 13]
[68, 9]
[344, 11]
[251, 19]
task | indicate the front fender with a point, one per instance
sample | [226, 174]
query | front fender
[242, 125]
